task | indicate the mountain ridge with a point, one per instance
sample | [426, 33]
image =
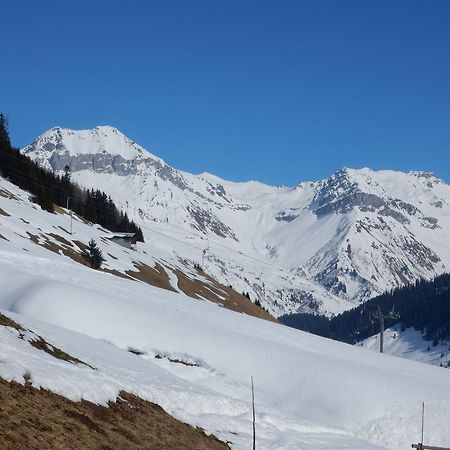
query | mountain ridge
[347, 237]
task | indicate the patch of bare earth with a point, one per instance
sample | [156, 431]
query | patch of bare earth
[212, 290]
[117, 273]
[39, 419]
[7, 322]
[39, 342]
[4, 213]
[156, 276]
[63, 248]
[204, 286]
[6, 194]
[60, 239]
[59, 210]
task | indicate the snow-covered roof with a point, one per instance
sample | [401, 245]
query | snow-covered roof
[121, 235]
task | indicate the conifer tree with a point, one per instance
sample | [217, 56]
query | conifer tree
[4, 134]
[67, 174]
[93, 255]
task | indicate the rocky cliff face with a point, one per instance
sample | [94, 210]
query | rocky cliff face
[319, 246]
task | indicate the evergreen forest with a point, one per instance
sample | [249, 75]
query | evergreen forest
[424, 305]
[48, 189]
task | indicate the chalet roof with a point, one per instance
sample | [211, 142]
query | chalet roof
[121, 235]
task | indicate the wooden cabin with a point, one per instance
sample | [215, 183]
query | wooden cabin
[127, 240]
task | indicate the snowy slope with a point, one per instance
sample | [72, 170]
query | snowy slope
[161, 266]
[410, 344]
[319, 246]
[310, 392]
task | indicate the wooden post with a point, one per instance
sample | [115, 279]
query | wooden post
[423, 446]
[423, 417]
[253, 408]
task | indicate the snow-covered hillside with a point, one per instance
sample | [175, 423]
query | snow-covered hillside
[319, 246]
[310, 392]
[410, 344]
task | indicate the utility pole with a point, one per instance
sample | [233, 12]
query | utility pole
[70, 213]
[380, 316]
[423, 420]
[204, 254]
[253, 409]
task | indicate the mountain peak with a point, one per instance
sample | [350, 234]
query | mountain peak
[103, 139]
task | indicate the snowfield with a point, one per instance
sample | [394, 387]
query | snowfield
[311, 392]
[410, 344]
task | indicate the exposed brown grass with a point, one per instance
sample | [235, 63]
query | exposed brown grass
[60, 239]
[7, 322]
[40, 343]
[65, 249]
[212, 290]
[4, 213]
[81, 245]
[59, 210]
[6, 194]
[116, 273]
[35, 419]
[156, 276]
[195, 288]
[33, 237]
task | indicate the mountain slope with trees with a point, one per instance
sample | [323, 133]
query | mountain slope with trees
[321, 246]
[49, 189]
[424, 305]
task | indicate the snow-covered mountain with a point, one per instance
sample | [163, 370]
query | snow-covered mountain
[318, 246]
[95, 334]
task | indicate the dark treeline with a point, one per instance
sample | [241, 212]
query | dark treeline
[48, 189]
[424, 305]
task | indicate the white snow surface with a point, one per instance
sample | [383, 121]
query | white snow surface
[310, 392]
[410, 344]
[319, 246]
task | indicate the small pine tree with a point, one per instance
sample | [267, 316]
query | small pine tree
[67, 174]
[93, 255]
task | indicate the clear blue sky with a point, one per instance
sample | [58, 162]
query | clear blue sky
[279, 91]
